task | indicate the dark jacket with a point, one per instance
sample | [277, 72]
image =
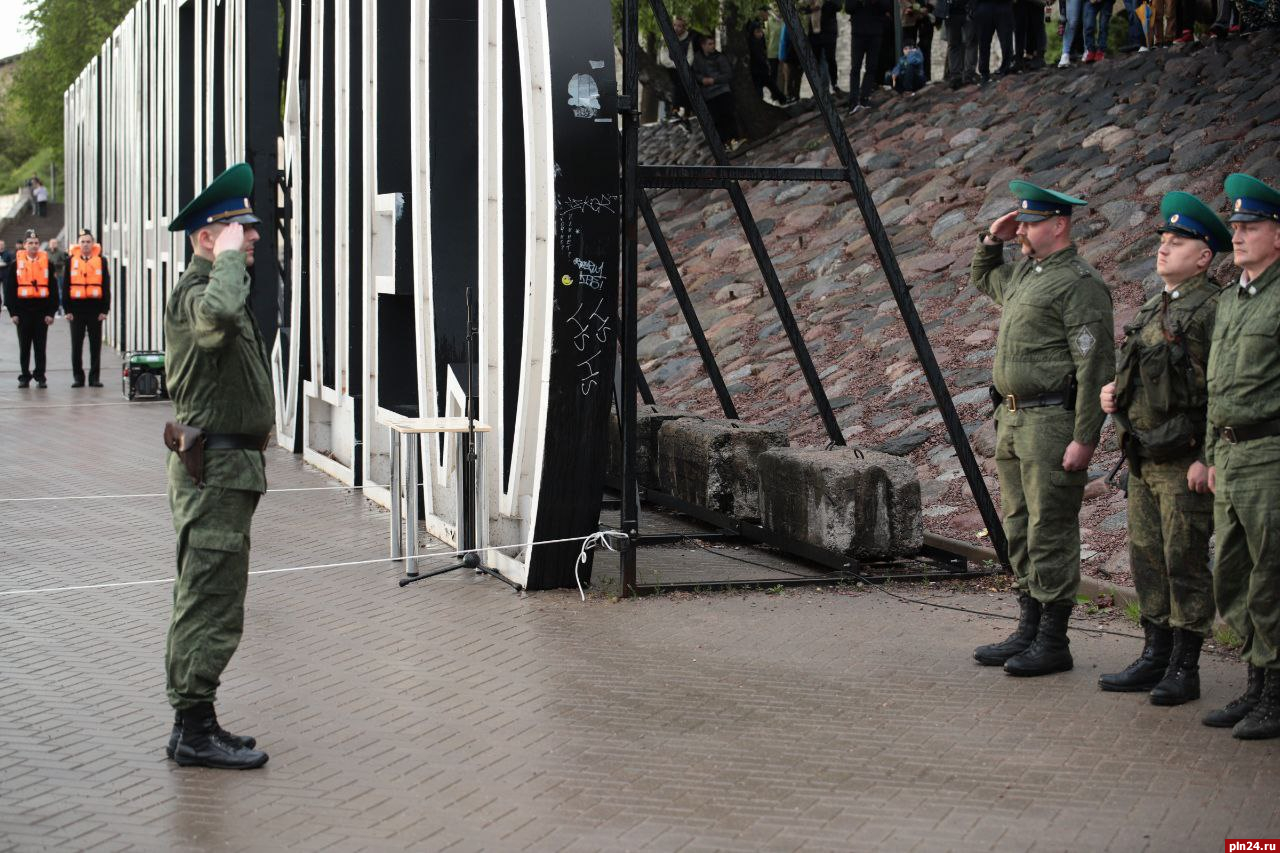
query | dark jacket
[90, 308]
[717, 67]
[46, 307]
[869, 17]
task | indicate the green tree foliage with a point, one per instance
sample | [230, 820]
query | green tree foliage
[703, 15]
[68, 34]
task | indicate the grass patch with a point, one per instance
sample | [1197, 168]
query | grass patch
[1226, 638]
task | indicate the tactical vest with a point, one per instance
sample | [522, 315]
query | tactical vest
[33, 276]
[1171, 381]
[86, 275]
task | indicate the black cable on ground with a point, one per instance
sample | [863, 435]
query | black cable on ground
[903, 598]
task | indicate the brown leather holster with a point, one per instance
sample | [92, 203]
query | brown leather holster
[188, 443]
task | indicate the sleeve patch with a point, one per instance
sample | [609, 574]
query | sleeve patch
[1085, 340]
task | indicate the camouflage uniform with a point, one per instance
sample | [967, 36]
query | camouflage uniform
[1244, 389]
[1057, 323]
[219, 380]
[1170, 525]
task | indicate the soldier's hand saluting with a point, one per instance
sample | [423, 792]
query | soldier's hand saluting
[1005, 228]
[231, 239]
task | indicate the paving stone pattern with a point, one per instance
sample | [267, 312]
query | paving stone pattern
[455, 715]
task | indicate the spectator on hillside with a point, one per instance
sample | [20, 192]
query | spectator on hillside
[917, 29]
[40, 196]
[1137, 38]
[1029, 38]
[6, 258]
[994, 17]
[758, 56]
[962, 44]
[822, 38]
[713, 72]
[1073, 15]
[907, 76]
[1097, 21]
[686, 40]
[869, 19]
[1228, 21]
[773, 45]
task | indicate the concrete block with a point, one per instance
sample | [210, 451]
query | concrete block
[712, 463]
[649, 418]
[866, 506]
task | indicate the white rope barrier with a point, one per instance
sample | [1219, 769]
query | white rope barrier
[55, 498]
[600, 537]
[448, 556]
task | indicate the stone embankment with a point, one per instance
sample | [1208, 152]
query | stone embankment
[1121, 134]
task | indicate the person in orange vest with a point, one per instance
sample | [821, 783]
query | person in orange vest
[86, 299]
[32, 300]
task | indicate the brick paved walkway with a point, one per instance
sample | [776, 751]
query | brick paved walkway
[456, 715]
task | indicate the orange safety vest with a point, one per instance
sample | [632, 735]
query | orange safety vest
[86, 274]
[33, 276]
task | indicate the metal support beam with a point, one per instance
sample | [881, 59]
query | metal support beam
[686, 307]
[674, 176]
[901, 292]
[628, 106]
[749, 227]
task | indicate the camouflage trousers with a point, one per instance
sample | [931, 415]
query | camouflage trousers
[1169, 529]
[1246, 518]
[208, 595]
[1040, 501]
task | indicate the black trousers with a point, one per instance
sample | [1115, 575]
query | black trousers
[1029, 37]
[723, 115]
[922, 35]
[994, 17]
[79, 327]
[32, 335]
[866, 48]
[955, 46]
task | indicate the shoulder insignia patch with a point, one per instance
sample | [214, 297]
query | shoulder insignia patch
[1082, 268]
[1085, 340]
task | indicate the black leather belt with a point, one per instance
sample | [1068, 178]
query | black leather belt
[234, 441]
[1035, 401]
[1235, 435]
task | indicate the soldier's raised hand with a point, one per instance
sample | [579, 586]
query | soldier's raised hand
[230, 239]
[1006, 227]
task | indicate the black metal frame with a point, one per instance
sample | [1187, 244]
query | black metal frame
[723, 175]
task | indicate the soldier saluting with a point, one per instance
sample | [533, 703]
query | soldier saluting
[1053, 355]
[1158, 401]
[218, 378]
[1242, 446]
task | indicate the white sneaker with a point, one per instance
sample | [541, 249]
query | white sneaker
[1065, 61]
[1143, 49]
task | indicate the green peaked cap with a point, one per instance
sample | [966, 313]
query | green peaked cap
[1183, 213]
[1037, 203]
[224, 200]
[1251, 199]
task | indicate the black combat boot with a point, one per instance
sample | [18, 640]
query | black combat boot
[1238, 708]
[1050, 651]
[995, 654]
[1263, 721]
[1145, 672]
[1181, 682]
[201, 745]
[246, 741]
